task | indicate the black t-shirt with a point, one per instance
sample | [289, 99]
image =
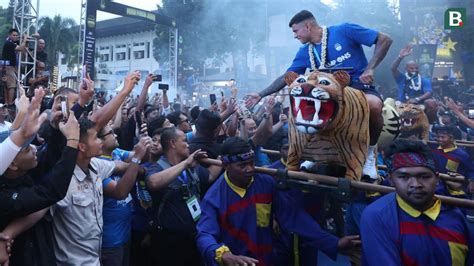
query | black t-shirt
[175, 216]
[212, 148]
[43, 57]
[9, 53]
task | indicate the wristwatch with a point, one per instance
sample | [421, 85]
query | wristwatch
[266, 116]
[417, 99]
[136, 160]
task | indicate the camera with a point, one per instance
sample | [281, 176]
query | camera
[156, 78]
[164, 87]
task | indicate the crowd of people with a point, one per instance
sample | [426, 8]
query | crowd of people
[123, 181]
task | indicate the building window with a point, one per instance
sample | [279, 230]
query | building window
[120, 56]
[139, 54]
[104, 58]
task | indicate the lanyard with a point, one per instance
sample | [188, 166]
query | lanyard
[317, 55]
[183, 177]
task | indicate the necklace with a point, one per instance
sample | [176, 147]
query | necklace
[414, 86]
[324, 44]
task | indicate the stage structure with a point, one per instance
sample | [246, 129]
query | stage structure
[25, 20]
[87, 34]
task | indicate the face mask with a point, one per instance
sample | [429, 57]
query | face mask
[412, 74]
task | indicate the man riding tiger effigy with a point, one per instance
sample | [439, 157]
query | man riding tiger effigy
[339, 46]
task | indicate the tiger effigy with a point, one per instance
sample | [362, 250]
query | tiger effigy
[414, 121]
[328, 124]
[391, 123]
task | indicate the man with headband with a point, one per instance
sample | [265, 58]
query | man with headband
[236, 223]
[412, 226]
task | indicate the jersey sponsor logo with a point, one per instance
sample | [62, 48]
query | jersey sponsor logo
[340, 59]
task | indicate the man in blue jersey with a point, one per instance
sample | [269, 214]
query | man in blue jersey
[335, 47]
[412, 226]
[412, 87]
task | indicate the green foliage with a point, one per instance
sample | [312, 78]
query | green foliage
[60, 35]
[212, 29]
[6, 18]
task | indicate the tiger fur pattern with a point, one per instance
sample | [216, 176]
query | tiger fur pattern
[328, 122]
[414, 121]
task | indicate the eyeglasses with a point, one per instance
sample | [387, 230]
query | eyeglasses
[184, 121]
[106, 134]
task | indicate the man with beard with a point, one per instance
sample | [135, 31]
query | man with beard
[411, 226]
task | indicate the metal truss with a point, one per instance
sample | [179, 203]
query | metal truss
[25, 20]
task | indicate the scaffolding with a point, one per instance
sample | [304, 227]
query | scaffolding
[25, 20]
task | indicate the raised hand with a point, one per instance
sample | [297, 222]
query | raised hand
[131, 80]
[148, 81]
[252, 99]
[22, 103]
[33, 119]
[142, 147]
[269, 104]
[86, 92]
[406, 51]
[70, 129]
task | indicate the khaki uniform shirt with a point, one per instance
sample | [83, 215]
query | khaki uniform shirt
[77, 219]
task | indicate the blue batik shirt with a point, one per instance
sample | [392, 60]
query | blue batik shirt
[117, 214]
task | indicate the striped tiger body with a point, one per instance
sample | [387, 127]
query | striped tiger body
[328, 123]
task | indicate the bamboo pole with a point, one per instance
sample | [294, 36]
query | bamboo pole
[330, 180]
[457, 178]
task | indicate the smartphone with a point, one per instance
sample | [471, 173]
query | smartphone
[164, 87]
[64, 107]
[156, 78]
[470, 113]
[138, 118]
[83, 77]
[213, 99]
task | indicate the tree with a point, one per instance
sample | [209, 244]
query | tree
[212, 30]
[6, 18]
[60, 36]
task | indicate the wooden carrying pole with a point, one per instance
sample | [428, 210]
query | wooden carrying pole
[333, 181]
[457, 178]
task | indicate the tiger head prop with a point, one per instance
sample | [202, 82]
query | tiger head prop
[316, 98]
[413, 120]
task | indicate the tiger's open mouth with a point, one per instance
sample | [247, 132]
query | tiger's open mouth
[312, 112]
[408, 122]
